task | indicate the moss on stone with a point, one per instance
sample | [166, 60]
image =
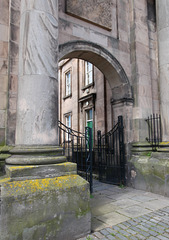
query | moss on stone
[4, 179]
[43, 208]
[149, 166]
[16, 188]
[164, 143]
[20, 167]
[4, 156]
[2, 143]
[6, 148]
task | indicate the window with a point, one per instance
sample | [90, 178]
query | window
[88, 73]
[68, 121]
[68, 83]
[68, 124]
[89, 117]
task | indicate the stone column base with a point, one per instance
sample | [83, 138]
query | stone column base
[148, 170]
[45, 201]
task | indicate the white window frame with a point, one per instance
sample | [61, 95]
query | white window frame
[68, 120]
[88, 119]
[88, 73]
[68, 123]
[68, 83]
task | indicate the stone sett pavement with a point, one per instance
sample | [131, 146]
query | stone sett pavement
[126, 213]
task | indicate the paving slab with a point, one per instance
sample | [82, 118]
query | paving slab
[143, 198]
[155, 204]
[112, 218]
[100, 200]
[104, 209]
[98, 224]
[134, 211]
[124, 203]
[127, 213]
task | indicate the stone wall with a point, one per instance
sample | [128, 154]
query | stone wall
[162, 8]
[153, 52]
[4, 45]
[149, 171]
[9, 51]
[84, 10]
[140, 60]
[13, 70]
[131, 38]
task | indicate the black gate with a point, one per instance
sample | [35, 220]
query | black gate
[111, 155]
[77, 147]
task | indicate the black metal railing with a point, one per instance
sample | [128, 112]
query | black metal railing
[77, 147]
[154, 130]
[111, 154]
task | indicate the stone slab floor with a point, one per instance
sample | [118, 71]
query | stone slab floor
[126, 213]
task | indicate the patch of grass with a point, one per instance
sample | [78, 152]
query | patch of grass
[91, 196]
[148, 154]
[112, 234]
[121, 185]
[89, 238]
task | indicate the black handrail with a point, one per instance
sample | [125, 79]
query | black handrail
[78, 149]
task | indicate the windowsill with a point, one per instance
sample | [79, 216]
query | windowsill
[88, 86]
[67, 96]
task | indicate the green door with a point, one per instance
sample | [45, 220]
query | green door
[90, 124]
[89, 121]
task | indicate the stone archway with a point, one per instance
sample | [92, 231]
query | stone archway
[122, 97]
[104, 61]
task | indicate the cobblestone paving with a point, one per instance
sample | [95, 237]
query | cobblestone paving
[152, 226]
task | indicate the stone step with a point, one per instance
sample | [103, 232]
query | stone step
[164, 144]
[5, 149]
[160, 155]
[141, 144]
[4, 156]
[163, 149]
[40, 171]
[33, 160]
[48, 150]
[142, 149]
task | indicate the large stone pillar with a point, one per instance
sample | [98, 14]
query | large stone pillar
[141, 71]
[162, 12]
[42, 196]
[37, 110]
